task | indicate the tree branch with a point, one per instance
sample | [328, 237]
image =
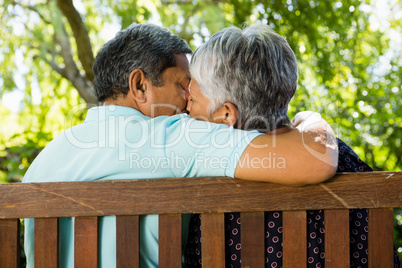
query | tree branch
[42, 52]
[82, 84]
[32, 8]
[183, 34]
[55, 67]
[80, 32]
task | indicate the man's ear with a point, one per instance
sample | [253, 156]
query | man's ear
[138, 86]
[231, 114]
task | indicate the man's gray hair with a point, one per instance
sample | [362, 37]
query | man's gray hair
[144, 46]
[255, 69]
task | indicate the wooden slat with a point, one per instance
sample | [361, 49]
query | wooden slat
[9, 243]
[252, 239]
[213, 240]
[337, 253]
[127, 241]
[294, 239]
[46, 242]
[192, 195]
[86, 242]
[380, 238]
[170, 240]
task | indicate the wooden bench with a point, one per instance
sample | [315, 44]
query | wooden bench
[378, 191]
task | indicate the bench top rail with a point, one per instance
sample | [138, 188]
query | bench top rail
[196, 195]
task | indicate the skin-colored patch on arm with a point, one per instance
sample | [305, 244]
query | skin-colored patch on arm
[312, 122]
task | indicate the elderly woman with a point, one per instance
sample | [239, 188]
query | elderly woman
[245, 79]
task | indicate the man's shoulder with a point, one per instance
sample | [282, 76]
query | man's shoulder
[53, 156]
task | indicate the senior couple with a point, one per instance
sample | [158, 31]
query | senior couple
[239, 81]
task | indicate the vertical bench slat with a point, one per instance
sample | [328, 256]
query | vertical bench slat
[337, 238]
[127, 241]
[46, 242]
[170, 240]
[294, 239]
[213, 240]
[86, 242]
[380, 238]
[252, 239]
[9, 242]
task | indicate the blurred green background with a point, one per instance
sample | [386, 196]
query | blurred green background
[349, 54]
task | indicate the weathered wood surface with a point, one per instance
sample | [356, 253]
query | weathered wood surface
[170, 241]
[46, 242]
[380, 246]
[252, 239]
[196, 195]
[86, 242]
[10, 243]
[213, 240]
[294, 239]
[337, 245]
[127, 241]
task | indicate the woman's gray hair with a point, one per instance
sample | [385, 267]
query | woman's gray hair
[255, 69]
[140, 46]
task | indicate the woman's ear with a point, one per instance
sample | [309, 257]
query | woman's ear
[138, 86]
[231, 114]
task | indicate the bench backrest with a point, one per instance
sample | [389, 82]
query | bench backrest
[127, 199]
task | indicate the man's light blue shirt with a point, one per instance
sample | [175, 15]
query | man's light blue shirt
[118, 143]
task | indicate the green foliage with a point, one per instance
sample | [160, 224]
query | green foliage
[350, 65]
[17, 159]
[398, 229]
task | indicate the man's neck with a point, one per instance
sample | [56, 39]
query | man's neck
[120, 101]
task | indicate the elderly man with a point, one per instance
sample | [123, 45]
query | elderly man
[142, 76]
[246, 79]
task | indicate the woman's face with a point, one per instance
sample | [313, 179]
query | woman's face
[198, 105]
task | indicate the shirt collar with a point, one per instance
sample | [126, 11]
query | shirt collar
[103, 113]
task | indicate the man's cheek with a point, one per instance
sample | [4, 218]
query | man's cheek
[181, 101]
[183, 95]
